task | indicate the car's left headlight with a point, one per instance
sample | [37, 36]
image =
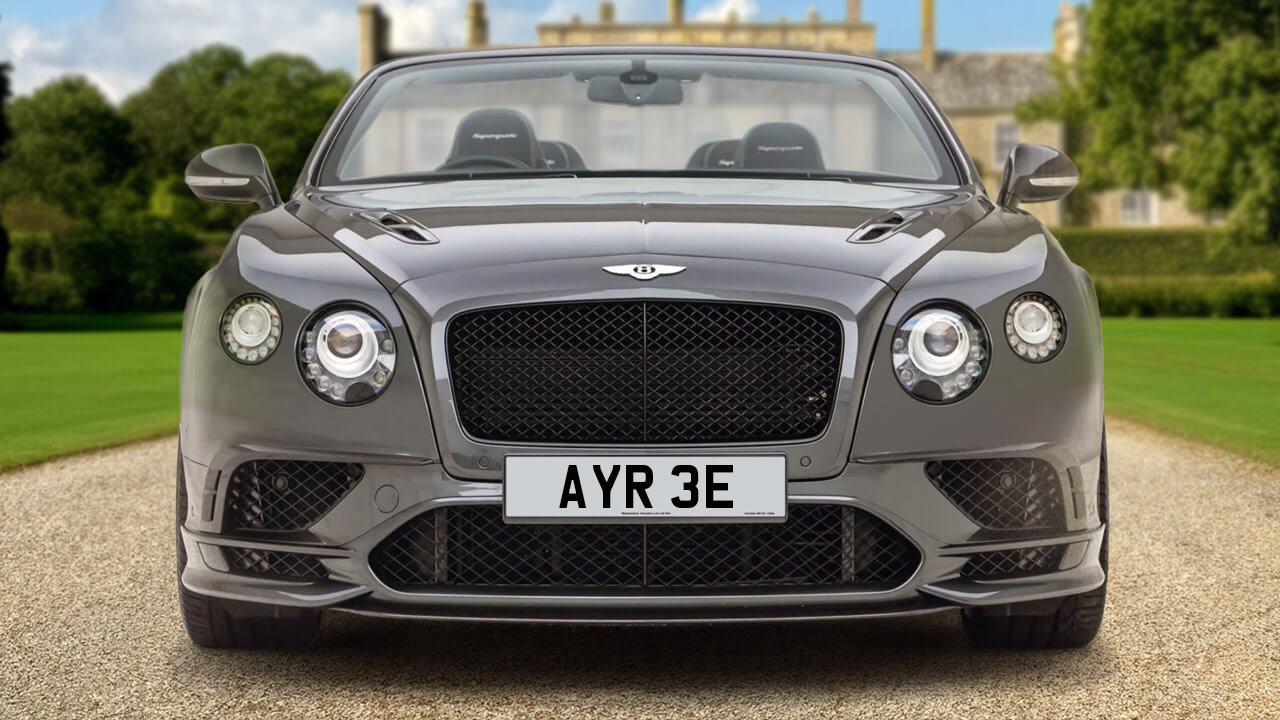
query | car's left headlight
[1035, 327]
[940, 353]
[347, 355]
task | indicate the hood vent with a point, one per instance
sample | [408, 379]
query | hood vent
[881, 227]
[402, 227]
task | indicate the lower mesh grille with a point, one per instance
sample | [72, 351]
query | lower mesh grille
[1014, 563]
[270, 563]
[286, 494]
[818, 545]
[1002, 493]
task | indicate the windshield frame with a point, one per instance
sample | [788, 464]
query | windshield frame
[356, 100]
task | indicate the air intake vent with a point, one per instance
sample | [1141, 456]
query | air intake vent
[286, 494]
[402, 227]
[1003, 493]
[881, 227]
[818, 545]
[1020, 562]
[274, 564]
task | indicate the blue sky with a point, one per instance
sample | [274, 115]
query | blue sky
[116, 43]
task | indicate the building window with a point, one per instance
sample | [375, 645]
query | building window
[1008, 134]
[1138, 207]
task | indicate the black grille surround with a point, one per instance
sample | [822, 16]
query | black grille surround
[818, 546]
[632, 372]
[285, 495]
[274, 564]
[1019, 562]
[1002, 493]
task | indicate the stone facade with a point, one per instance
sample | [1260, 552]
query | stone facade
[979, 91]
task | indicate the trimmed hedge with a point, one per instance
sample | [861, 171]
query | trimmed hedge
[34, 279]
[1249, 295]
[1194, 272]
[143, 263]
[1191, 251]
[130, 263]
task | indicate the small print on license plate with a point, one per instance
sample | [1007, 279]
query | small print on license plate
[651, 488]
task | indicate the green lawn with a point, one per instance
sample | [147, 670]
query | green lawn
[79, 382]
[1212, 380]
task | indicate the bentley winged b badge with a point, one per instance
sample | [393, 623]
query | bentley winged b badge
[644, 272]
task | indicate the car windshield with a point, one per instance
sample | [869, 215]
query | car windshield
[641, 114]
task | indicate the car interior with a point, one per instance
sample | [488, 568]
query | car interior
[501, 138]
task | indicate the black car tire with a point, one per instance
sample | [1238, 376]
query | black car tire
[1073, 623]
[218, 623]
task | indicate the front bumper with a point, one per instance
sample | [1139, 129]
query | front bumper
[897, 492]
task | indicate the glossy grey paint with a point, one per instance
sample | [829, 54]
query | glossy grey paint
[546, 240]
[1036, 173]
[233, 173]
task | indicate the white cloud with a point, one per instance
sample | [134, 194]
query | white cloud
[419, 24]
[746, 10]
[121, 47]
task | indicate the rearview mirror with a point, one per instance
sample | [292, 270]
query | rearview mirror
[655, 91]
[234, 174]
[1036, 173]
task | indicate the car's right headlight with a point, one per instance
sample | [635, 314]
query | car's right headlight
[940, 353]
[347, 355]
[1035, 327]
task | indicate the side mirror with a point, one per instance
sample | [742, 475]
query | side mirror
[234, 174]
[1036, 173]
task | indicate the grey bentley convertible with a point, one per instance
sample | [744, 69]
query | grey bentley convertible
[641, 335]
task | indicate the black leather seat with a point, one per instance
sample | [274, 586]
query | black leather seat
[715, 155]
[561, 155]
[504, 137]
[779, 146]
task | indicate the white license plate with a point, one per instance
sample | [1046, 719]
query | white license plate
[645, 488]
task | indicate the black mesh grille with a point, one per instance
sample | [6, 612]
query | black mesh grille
[1003, 493]
[637, 372]
[286, 494]
[1014, 563]
[270, 563]
[818, 545]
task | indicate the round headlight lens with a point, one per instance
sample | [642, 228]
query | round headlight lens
[939, 354]
[1035, 327]
[347, 344]
[938, 343]
[250, 329]
[347, 356]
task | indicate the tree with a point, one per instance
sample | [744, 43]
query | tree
[211, 97]
[281, 104]
[4, 142]
[128, 262]
[69, 146]
[178, 113]
[1185, 92]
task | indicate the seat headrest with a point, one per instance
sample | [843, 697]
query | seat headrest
[717, 154]
[780, 146]
[575, 158]
[497, 132]
[724, 155]
[699, 157]
[561, 155]
[555, 155]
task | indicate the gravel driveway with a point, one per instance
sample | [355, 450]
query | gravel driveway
[89, 625]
